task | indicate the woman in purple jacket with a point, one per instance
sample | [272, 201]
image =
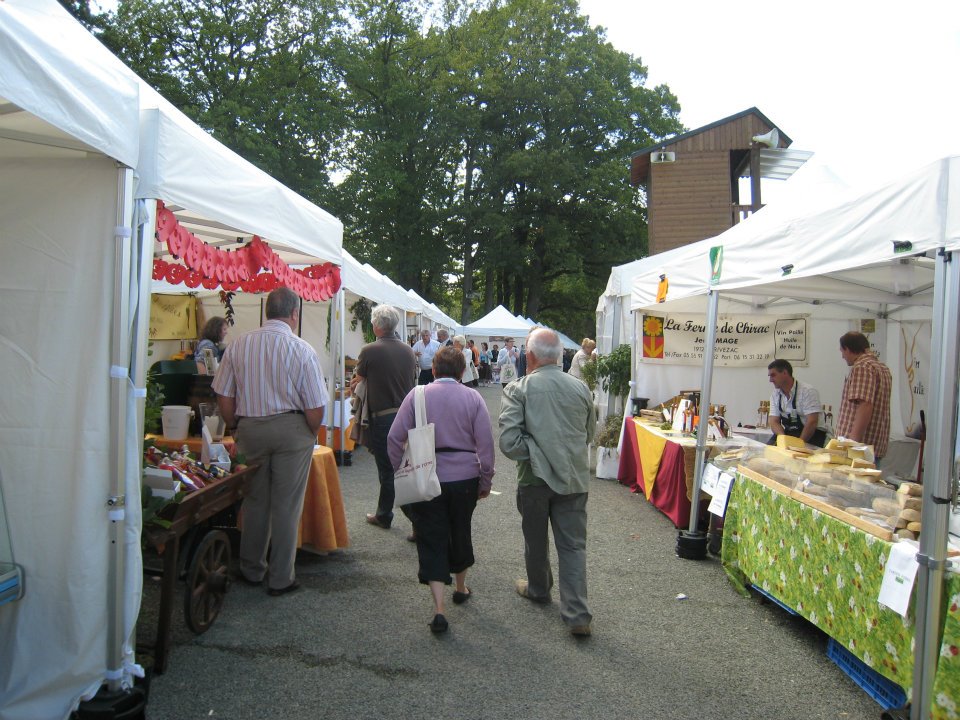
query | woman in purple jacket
[465, 456]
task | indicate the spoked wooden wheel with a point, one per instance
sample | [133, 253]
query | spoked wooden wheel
[207, 581]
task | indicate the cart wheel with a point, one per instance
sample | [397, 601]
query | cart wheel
[206, 581]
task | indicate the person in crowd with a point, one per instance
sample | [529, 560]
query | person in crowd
[443, 337]
[582, 357]
[476, 355]
[522, 363]
[547, 419]
[465, 468]
[469, 369]
[271, 392]
[484, 364]
[507, 361]
[424, 350]
[794, 407]
[212, 337]
[865, 402]
[388, 367]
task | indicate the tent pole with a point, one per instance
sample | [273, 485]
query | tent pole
[937, 476]
[692, 545]
[342, 367]
[119, 379]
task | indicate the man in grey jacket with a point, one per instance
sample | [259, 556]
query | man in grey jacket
[547, 419]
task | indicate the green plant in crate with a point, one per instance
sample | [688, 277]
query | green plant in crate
[153, 407]
[608, 433]
[613, 372]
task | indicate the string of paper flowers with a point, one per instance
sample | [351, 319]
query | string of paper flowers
[210, 267]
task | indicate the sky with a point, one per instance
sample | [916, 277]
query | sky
[873, 89]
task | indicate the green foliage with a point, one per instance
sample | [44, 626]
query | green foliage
[361, 310]
[613, 372]
[153, 407]
[608, 434]
[588, 373]
[479, 146]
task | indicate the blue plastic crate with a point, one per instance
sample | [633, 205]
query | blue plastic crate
[886, 692]
[774, 600]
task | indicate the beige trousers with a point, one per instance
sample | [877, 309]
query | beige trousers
[282, 446]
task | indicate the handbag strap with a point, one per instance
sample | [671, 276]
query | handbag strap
[420, 405]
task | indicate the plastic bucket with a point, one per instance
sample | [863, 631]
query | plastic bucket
[176, 421]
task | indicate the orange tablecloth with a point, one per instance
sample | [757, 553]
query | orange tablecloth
[323, 524]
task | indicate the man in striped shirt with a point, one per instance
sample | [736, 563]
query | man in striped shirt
[271, 391]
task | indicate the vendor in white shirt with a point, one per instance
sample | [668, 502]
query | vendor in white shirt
[795, 407]
[424, 349]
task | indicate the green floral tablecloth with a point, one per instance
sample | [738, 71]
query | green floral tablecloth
[830, 573]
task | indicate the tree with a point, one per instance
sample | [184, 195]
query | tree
[261, 75]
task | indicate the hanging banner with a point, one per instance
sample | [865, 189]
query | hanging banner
[173, 317]
[742, 340]
[915, 339]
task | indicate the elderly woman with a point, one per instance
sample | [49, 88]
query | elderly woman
[465, 456]
[583, 356]
[469, 377]
[214, 332]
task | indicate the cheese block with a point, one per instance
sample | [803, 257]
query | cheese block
[843, 496]
[812, 489]
[860, 463]
[905, 534]
[910, 488]
[885, 506]
[909, 502]
[910, 515]
[761, 465]
[913, 527]
[787, 442]
[862, 452]
[783, 476]
[829, 458]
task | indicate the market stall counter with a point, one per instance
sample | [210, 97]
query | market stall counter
[829, 572]
[660, 465]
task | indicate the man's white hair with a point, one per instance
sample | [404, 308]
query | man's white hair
[545, 345]
[385, 317]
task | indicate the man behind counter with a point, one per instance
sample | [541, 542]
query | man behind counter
[794, 408]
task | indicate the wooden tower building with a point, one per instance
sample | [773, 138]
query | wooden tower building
[693, 180]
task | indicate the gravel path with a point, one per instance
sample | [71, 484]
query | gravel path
[354, 642]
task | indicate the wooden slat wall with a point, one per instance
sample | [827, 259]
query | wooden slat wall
[691, 199]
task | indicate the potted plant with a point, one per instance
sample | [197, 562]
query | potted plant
[607, 442]
[613, 373]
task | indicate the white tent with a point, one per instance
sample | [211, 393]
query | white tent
[68, 116]
[891, 250]
[498, 321]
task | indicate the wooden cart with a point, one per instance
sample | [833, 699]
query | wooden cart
[196, 547]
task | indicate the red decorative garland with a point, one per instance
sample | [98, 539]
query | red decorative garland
[238, 269]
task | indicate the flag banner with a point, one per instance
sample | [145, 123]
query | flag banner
[742, 340]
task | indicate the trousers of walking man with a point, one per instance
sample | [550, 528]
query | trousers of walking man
[271, 392]
[547, 419]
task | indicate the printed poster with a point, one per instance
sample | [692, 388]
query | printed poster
[741, 341]
[173, 317]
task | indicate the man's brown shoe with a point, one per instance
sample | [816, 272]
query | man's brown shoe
[374, 520]
[523, 590]
[580, 630]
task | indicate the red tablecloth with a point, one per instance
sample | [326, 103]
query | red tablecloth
[669, 492]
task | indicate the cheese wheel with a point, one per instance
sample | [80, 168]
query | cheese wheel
[895, 521]
[909, 502]
[905, 534]
[910, 515]
[910, 488]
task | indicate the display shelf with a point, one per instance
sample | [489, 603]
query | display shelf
[886, 692]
